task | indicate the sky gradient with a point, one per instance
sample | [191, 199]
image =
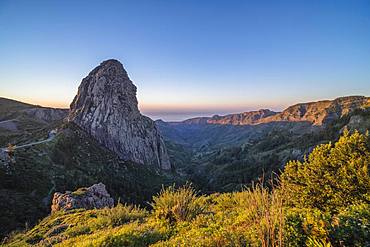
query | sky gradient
[188, 58]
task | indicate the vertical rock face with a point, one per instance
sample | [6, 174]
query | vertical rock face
[106, 107]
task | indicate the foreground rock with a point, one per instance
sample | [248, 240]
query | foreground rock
[95, 196]
[106, 107]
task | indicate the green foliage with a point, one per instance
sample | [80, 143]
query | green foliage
[251, 217]
[352, 226]
[312, 242]
[175, 205]
[303, 224]
[123, 213]
[333, 177]
[256, 216]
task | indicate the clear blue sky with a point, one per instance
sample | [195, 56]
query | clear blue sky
[188, 57]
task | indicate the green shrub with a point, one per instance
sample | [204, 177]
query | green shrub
[122, 214]
[352, 226]
[176, 205]
[333, 177]
[305, 226]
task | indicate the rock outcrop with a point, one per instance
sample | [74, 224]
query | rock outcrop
[92, 197]
[106, 107]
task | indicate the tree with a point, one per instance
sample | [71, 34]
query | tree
[333, 176]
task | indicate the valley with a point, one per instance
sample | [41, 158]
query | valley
[223, 156]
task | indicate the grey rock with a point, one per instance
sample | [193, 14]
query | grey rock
[106, 107]
[92, 197]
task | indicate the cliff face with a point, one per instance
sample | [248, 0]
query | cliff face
[244, 118]
[317, 113]
[320, 112]
[106, 107]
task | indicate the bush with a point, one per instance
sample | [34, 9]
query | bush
[122, 213]
[333, 177]
[176, 205]
[303, 227]
[352, 226]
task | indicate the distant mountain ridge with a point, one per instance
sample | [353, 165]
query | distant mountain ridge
[317, 113]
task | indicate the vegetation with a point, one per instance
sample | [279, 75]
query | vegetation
[222, 158]
[333, 177]
[71, 161]
[322, 201]
[176, 205]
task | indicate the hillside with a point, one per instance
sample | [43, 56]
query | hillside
[71, 160]
[20, 121]
[297, 212]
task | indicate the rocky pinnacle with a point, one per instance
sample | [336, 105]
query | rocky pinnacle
[106, 107]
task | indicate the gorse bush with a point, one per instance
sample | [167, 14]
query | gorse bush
[175, 205]
[303, 225]
[333, 177]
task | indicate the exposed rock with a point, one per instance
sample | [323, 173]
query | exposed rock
[320, 112]
[106, 107]
[95, 196]
[317, 113]
[244, 118]
[47, 114]
[358, 122]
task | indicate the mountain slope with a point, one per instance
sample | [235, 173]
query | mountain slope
[321, 112]
[20, 121]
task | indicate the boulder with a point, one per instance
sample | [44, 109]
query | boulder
[92, 197]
